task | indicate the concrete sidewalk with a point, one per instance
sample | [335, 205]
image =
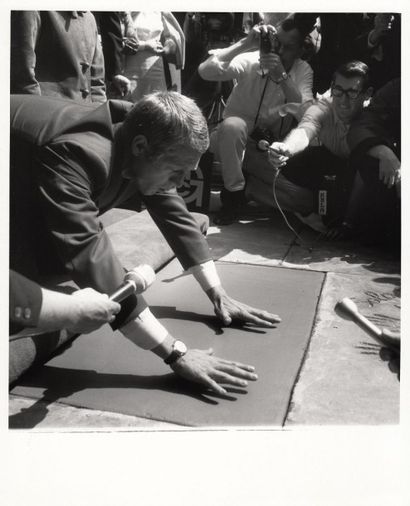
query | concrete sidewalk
[346, 377]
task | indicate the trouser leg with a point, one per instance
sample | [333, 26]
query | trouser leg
[229, 144]
[379, 216]
[232, 136]
[314, 169]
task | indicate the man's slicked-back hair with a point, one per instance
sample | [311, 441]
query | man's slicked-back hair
[294, 22]
[167, 119]
[354, 68]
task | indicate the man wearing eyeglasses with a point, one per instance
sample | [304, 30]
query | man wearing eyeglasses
[317, 148]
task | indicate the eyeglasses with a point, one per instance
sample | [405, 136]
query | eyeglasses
[337, 91]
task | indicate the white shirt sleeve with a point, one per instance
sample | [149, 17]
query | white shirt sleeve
[213, 69]
[206, 275]
[145, 330]
[313, 118]
[302, 75]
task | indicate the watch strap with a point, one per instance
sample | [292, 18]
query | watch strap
[174, 355]
[283, 77]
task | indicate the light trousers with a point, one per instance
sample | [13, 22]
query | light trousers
[228, 143]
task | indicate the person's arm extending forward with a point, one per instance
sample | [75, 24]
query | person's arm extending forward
[47, 310]
[299, 138]
[218, 66]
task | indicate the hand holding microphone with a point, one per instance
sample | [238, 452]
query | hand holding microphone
[278, 154]
[95, 309]
[135, 281]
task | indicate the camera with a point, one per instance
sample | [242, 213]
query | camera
[269, 42]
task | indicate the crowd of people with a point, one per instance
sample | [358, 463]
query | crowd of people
[108, 106]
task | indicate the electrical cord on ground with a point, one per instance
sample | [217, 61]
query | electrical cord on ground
[302, 241]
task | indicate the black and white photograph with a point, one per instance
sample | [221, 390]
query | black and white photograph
[205, 234]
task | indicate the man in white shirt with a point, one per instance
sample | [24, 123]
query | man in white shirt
[269, 86]
[327, 123]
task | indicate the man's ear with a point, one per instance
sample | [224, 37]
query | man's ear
[139, 145]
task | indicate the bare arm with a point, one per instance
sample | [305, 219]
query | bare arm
[280, 152]
[389, 164]
[217, 68]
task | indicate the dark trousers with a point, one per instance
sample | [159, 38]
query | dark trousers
[319, 170]
[376, 209]
[308, 168]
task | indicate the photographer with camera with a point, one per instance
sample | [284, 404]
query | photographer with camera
[271, 84]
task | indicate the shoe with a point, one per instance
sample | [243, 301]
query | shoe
[232, 205]
[313, 221]
[225, 216]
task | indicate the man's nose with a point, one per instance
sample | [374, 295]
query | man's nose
[344, 99]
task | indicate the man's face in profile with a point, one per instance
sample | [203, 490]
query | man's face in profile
[158, 173]
[289, 46]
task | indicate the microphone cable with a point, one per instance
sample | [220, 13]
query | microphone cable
[302, 241]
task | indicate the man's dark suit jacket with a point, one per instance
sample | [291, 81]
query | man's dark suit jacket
[379, 123]
[66, 162]
[25, 302]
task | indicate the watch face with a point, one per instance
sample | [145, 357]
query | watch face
[180, 347]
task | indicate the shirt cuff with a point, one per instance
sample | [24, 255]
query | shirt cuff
[145, 331]
[206, 275]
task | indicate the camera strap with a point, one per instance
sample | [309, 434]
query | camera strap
[260, 105]
[260, 101]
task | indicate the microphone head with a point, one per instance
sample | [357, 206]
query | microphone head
[143, 276]
[263, 145]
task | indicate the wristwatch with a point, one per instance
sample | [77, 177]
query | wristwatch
[178, 350]
[283, 77]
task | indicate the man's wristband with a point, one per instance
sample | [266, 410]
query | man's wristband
[145, 330]
[206, 275]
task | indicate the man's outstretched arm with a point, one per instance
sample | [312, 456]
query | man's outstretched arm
[182, 232]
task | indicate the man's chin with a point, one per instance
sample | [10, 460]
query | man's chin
[345, 115]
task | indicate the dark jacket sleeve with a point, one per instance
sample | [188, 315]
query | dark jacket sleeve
[72, 217]
[97, 71]
[111, 38]
[25, 26]
[25, 300]
[179, 227]
[379, 123]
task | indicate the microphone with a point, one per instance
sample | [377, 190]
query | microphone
[263, 145]
[135, 281]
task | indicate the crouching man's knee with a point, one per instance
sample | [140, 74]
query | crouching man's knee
[233, 129]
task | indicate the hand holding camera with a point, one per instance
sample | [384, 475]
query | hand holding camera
[269, 58]
[271, 64]
[268, 40]
[253, 40]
